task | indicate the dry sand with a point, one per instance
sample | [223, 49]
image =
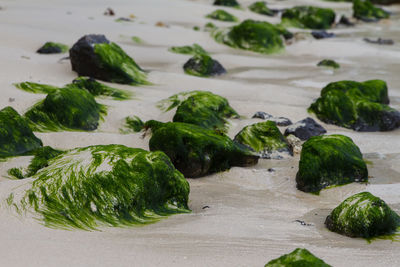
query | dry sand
[252, 212]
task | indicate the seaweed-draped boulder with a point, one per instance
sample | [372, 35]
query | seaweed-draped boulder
[222, 15]
[52, 48]
[231, 3]
[95, 56]
[330, 160]
[66, 108]
[309, 17]
[328, 63]
[300, 257]
[265, 139]
[366, 11]
[203, 65]
[16, 137]
[257, 36]
[363, 215]
[261, 8]
[196, 151]
[358, 106]
[106, 185]
[305, 129]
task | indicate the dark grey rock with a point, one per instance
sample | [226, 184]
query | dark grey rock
[262, 115]
[305, 129]
[281, 121]
[322, 34]
[380, 41]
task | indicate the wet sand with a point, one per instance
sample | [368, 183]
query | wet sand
[252, 212]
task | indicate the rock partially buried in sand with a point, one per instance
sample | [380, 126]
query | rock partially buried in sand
[366, 11]
[262, 115]
[280, 121]
[261, 8]
[305, 129]
[232, 3]
[308, 17]
[94, 56]
[355, 105]
[379, 41]
[16, 137]
[322, 34]
[203, 65]
[196, 151]
[298, 258]
[106, 185]
[328, 63]
[222, 15]
[53, 48]
[188, 50]
[363, 215]
[257, 36]
[329, 160]
[66, 109]
[295, 143]
[265, 139]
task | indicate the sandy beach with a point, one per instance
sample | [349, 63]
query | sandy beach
[252, 212]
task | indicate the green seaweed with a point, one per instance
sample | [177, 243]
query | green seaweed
[365, 10]
[222, 15]
[54, 47]
[363, 215]
[362, 106]
[256, 36]
[137, 39]
[196, 28]
[264, 138]
[308, 17]
[134, 123]
[66, 109]
[16, 137]
[195, 49]
[106, 185]
[36, 88]
[203, 65]
[209, 26]
[196, 151]
[260, 7]
[230, 3]
[328, 63]
[330, 160]
[16, 172]
[300, 257]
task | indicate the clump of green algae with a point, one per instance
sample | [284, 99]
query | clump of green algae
[365, 10]
[328, 63]
[188, 50]
[222, 15]
[308, 17]
[298, 258]
[260, 7]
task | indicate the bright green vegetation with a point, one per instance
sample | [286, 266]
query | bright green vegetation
[201, 108]
[264, 138]
[260, 7]
[196, 151]
[330, 160]
[134, 123]
[300, 257]
[195, 49]
[117, 66]
[66, 109]
[257, 36]
[222, 15]
[16, 137]
[203, 65]
[196, 28]
[231, 3]
[106, 185]
[363, 215]
[365, 10]
[355, 105]
[209, 26]
[328, 63]
[137, 40]
[308, 17]
[89, 84]
[51, 47]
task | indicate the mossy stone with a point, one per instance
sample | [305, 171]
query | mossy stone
[196, 151]
[363, 215]
[231, 3]
[257, 36]
[355, 105]
[366, 11]
[261, 8]
[264, 138]
[53, 48]
[188, 50]
[328, 63]
[203, 65]
[106, 185]
[222, 15]
[16, 137]
[66, 108]
[300, 257]
[308, 17]
[329, 160]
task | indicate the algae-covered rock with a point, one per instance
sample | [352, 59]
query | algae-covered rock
[300, 257]
[328, 63]
[106, 185]
[222, 15]
[188, 50]
[305, 129]
[366, 11]
[330, 160]
[231, 3]
[265, 139]
[66, 109]
[196, 151]
[257, 36]
[308, 17]
[94, 56]
[359, 106]
[203, 65]
[16, 137]
[260, 7]
[53, 48]
[363, 215]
